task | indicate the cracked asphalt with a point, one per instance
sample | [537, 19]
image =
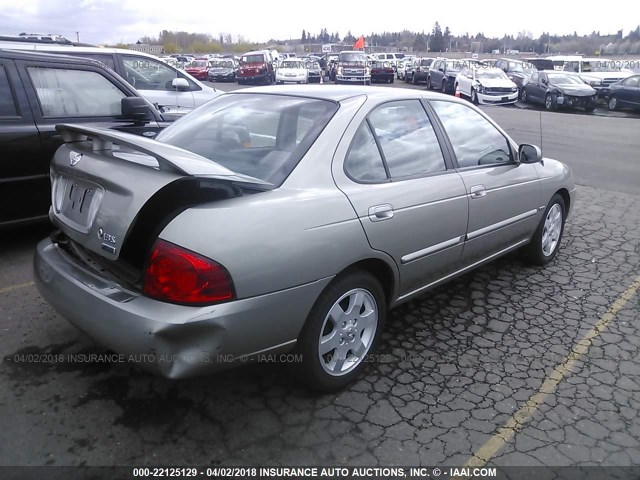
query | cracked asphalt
[453, 367]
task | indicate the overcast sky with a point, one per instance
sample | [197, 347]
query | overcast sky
[112, 21]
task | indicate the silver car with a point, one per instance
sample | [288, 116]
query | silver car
[281, 219]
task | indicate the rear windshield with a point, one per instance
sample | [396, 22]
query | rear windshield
[263, 136]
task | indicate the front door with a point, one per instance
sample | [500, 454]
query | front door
[504, 195]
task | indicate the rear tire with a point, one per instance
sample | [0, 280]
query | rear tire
[546, 240]
[343, 327]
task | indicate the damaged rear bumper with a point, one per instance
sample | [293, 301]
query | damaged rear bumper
[173, 340]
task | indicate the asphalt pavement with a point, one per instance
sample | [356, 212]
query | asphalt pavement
[508, 365]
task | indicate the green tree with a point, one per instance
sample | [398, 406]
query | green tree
[437, 41]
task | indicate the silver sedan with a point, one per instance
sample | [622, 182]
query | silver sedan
[286, 219]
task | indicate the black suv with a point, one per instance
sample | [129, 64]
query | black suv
[39, 91]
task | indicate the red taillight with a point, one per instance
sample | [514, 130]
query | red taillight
[177, 275]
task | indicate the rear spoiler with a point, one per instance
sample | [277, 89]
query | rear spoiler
[169, 158]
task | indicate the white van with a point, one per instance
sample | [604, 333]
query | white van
[156, 80]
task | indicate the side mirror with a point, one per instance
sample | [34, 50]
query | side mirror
[135, 108]
[180, 84]
[529, 153]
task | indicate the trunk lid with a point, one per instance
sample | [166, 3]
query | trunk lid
[106, 184]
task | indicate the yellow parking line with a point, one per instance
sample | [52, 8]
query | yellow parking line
[15, 287]
[522, 416]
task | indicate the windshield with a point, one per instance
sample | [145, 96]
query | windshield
[263, 136]
[258, 58]
[526, 68]
[291, 64]
[353, 57]
[601, 66]
[222, 64]
[560, 79]
[491, 74]
[455, 65]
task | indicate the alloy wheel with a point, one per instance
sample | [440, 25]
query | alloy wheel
[348, 332]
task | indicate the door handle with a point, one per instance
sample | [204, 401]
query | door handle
[378, 213]
[477, 191]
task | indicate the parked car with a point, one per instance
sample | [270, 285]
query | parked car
[517, 71]
[242, 239]
[598, 72]
[353, 67]
[160, 83]
[625, 93]
[314, 71]
[391, 58]
[402, 66]
[199, 68]
[382, 71]
[256, 66]
[486, 86]
[292, 71]
[420, 70]
[38, 91]
[222, 70]
[442, 74]
[556, 89]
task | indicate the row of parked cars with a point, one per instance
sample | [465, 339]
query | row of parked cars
[259, 66]
[578, 83]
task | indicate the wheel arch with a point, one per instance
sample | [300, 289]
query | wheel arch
[564, 193]
[382, 271]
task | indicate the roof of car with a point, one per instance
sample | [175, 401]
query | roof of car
[51, 57]
[340, 93]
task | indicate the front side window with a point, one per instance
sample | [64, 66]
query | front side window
[7, 104]
[475, 140]
[148, 74]
[262, 136]
[75, 93]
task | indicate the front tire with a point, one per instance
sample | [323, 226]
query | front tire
[474, 96]
[523, 96]
[545, 243]
[343, 326]
[550, 102]
[444, 86]
[613, 103]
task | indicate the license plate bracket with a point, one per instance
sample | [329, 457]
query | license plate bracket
[78, 201]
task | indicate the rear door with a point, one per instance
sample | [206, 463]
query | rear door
[409, 200]
[75, 93]
[504, 195]
[24, 169]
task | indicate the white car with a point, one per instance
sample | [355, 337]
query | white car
[292, 71]
[402, 66]
[486, 86]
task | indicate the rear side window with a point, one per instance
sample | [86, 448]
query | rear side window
[263, 136]
[363, 162]
[407, 139]
[75, 93]
[7, 103]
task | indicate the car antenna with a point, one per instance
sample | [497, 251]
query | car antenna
[540, 112]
